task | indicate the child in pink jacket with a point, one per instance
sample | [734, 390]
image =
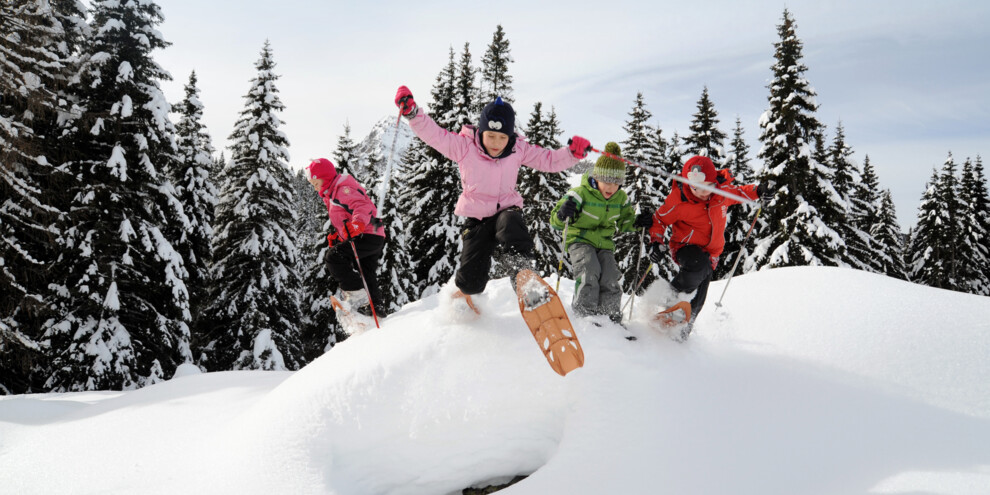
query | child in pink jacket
[489, 158]
[353, 217]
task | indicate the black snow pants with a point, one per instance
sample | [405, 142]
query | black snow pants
[695, 274]
[344, 270]
[480, 237]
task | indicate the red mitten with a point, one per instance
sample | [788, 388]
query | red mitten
[404, 100]
[579, 146]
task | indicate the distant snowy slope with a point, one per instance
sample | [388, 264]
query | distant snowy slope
[379, 141]
[808, 380]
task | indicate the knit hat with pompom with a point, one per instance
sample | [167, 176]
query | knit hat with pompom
[608, 169]
[321, 168]
[700, 169]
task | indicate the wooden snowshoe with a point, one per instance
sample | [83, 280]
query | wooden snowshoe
[669, 317]
[544, 314]
[676, 320]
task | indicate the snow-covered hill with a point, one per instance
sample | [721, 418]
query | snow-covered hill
[807, 380]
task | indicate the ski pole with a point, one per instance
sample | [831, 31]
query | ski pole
[697, 185]
[357, 261]
[388, 164]
[635, 290]
[563, 247]
[738, 256]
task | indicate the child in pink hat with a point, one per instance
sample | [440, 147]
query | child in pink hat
[354, 219]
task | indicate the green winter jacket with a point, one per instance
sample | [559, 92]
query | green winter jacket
[597, 218]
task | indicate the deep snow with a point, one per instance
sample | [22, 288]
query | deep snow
[808, 380]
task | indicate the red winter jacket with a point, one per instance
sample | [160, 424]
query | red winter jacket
[693, 221]
[347, 200]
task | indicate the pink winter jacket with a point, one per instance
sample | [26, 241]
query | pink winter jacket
[488, 185]
[347, 200]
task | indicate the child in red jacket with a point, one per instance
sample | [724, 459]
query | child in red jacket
[696, 218]
[353, 217]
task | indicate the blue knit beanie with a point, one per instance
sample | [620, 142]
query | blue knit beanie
[498, 116]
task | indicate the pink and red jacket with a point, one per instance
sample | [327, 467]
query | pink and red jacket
[488, 185]
[347, 200]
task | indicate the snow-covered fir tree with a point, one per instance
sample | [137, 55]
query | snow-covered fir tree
[346, 159]
[671, 162]
[125, 308]
[197, 192]
[832, 208]
[254, 308]
[643, 186]
[466, 95]
[739, 218]
[495, 78]
[706, 139]
[798, 233]
[981, 205]
[846, 181]
[396, 272]
[318, 326]
[888, 241]
[219, 164]
[867, 196]
[737, 159]
[865, 202]
[974, 242]
[430, 193]
[542, 190]
[35, 41]
[932, 252]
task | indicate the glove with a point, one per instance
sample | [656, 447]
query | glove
[644, 220]
[579, 146]
[351, 230]
[658, 251]
[404, 100]
[766, 191]
[568, 210]
[332, 239]
[723, 176]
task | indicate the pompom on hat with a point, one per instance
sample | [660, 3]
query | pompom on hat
[700, 169]
[608, 169]
[321, 168]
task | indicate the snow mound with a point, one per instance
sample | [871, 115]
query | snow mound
[882, 381]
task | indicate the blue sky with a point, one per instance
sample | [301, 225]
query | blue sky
[908, 80]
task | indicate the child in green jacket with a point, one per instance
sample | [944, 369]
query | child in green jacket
[595, 210]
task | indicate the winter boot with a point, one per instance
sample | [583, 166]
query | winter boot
[355, 299]
[684, 332]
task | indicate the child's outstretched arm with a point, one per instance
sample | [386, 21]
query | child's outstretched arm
[451, 145]
[545, 160]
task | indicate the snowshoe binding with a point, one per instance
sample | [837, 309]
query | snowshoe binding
[348, 307]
